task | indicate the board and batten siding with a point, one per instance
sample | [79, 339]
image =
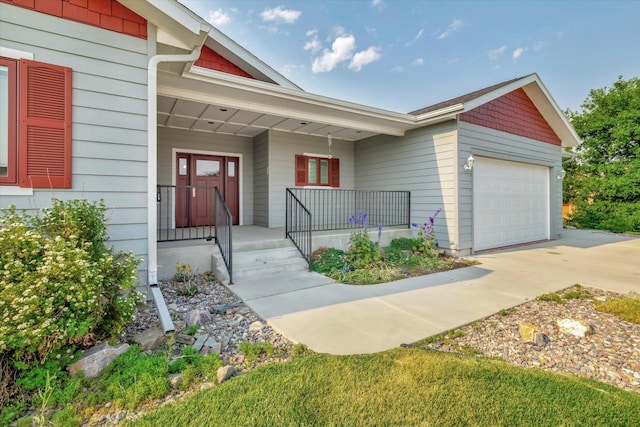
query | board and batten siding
[283, 147]
[109, 114]
[261, 180]
[208, 143]
[421, 162]
[484, 142]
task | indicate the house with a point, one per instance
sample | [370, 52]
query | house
[147, 106]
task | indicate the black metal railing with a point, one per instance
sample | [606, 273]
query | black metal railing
[298, 226]
[223, 228]
[188, 212]
[332, 208]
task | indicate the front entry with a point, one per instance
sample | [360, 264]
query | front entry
[195, 207]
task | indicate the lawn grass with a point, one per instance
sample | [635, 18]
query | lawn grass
[626, 308]
[401, 387]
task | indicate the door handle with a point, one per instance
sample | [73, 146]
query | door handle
[193, 192]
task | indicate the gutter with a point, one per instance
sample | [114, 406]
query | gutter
[152, 179]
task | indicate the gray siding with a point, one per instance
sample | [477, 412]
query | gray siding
[261, 180]
[487, 142]
[282, 150]
[109, 128]
[421, 162]
[206, 142]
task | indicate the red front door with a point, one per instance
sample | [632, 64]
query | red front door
[196, 206]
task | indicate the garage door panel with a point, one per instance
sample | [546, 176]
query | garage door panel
[510, 203]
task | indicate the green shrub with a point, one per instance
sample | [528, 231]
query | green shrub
[255, 351]
[626, 308]
[61, 287]
[362, 251]
[426, 242]
[327, 260]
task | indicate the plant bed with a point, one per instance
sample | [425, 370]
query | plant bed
[366, 263]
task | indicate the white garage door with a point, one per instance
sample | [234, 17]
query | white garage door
[510, 203]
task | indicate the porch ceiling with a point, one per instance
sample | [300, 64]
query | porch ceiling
[199, 116]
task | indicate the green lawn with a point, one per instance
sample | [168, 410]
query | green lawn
[401, 387]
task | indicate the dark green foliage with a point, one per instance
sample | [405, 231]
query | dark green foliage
[329, 260]
[603, 182]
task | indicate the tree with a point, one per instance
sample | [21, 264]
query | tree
[603, 180]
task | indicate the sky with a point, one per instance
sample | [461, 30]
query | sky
[403, 55]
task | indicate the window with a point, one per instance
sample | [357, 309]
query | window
[35, 124]
[317, 171]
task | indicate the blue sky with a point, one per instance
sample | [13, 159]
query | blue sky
[404, 55]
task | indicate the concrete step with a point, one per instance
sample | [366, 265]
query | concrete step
[252, 264]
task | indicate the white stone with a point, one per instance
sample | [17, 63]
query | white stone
[574, 327]
[256, 326]
[198, 317]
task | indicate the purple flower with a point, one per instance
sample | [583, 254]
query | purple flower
[352, 220]
[365, 220]
[345, 270]
[379, 230]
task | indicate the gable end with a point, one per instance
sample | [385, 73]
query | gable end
[214, 61]
[513, 113]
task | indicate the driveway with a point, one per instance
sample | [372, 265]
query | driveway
[342, 319]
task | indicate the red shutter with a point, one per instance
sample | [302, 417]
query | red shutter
[45, 125]
[334, 172]
[301, 170]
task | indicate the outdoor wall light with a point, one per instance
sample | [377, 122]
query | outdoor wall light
[561, 174]
[469, 164]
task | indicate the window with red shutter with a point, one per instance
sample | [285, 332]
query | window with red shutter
[317, 171]
[44, 137]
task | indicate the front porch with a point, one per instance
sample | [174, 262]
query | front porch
[204, 256]
[195, 226]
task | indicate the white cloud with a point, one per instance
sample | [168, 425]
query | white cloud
[537, 46]
[364, 57]
[278, 14]
[341, 50]
[518, 52]
[416, 38]
[218, 18]
[313, 45]
[453, 60]
[397, 69]
[312, 32]
[493, 53]
[454, 26]
[417, 61]
[375, 3]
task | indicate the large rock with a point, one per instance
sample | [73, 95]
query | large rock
[94, 360]
[150, 339]
[225, 372]
[530, 334]
[197, 317]
[576, 328]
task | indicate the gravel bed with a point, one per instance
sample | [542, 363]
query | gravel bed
[611, 354]
[232, 322]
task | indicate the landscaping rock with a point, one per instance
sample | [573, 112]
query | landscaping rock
[197, 317]
[633, 294]
[200, 340]
[175, 380]
[185, 339]
[222, 308]
[256, 326]
[531, 334]
[576, 328]
[94, 360]
[150, 339]
[225, 372]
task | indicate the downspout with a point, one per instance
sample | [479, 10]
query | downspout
[152, 179]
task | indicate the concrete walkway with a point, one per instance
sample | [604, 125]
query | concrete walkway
[343, 319]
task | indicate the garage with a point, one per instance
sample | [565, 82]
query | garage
[510, 203]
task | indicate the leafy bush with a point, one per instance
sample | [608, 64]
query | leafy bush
[328, 260]
[254, 351]
[362, 251]
[61, 287]
[626, 308]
